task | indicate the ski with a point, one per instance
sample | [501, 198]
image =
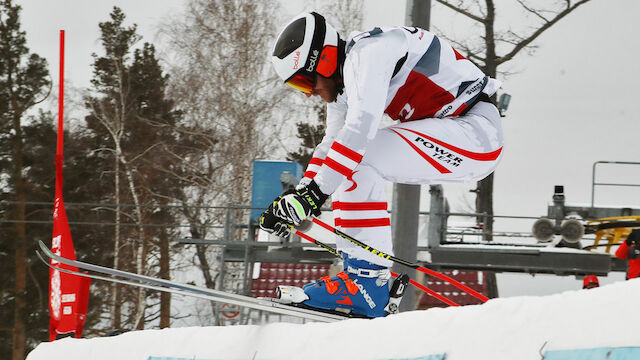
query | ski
[323, 311]
[152, 283]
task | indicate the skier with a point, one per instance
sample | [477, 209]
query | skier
[449, 131]
[629, 249]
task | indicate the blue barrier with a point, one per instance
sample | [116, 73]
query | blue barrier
[172, 358]
[426, 357]
[266, 183]
[605, 353]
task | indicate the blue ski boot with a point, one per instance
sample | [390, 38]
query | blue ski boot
[361, 289]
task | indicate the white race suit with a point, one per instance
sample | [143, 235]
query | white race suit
[448, 131]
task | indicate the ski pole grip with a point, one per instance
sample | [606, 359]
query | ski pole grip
[305, 225]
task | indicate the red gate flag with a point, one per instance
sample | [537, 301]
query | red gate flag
[68, 294]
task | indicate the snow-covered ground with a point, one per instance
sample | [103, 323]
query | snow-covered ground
[517, 328]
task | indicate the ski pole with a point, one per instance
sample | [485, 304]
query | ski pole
[320, 244]
[433, 293]
[399, 261]
[411, 281]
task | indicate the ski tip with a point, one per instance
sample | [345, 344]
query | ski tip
[41, 257]
[43, 246]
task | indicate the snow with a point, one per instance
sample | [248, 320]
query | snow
[512, 328]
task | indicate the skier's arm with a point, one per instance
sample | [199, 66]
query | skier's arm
[623, 250]
[336, 113]
[367, 72]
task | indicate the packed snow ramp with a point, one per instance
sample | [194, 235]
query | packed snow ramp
[600, 323]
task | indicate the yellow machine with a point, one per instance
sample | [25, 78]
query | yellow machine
[613, 230]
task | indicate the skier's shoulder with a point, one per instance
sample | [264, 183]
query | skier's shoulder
[377, 39]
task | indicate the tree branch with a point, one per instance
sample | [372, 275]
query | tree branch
[533, 11]
[540, 30]
[461, 11]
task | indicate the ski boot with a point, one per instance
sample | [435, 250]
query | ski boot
[362, 289]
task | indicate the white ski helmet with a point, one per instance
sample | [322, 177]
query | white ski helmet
[307, 46]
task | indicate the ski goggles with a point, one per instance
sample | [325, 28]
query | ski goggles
[302, 82]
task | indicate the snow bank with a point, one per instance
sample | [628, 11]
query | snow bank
[513, 328]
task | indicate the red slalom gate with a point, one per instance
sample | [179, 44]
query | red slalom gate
[68, 294]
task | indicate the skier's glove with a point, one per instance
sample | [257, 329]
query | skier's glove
[299, 205]
[272, 224]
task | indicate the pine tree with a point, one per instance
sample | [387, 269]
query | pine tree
[156, 118]
[134, 126]
[23, 81]
[109, 108]
[38, 174]
[310, 136]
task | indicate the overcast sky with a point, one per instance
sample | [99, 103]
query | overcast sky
[574, 100]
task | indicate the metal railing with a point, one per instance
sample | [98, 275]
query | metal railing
[228, 226]
[593, 177]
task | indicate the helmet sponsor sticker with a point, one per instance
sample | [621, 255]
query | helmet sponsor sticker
[296, 60]
[312, 60]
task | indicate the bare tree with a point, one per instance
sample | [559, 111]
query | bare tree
[225, 89]
[344, 15]
[492, 47]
